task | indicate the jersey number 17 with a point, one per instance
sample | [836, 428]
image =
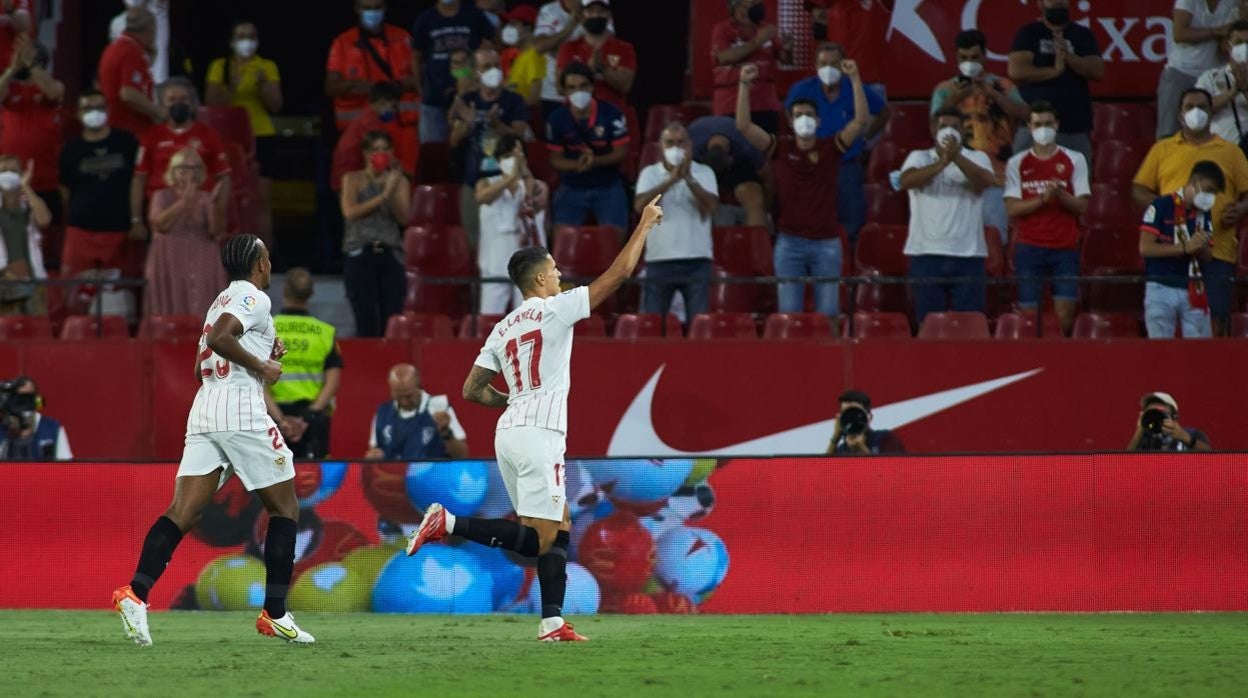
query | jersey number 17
[535, 359]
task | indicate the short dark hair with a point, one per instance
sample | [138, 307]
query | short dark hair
[385, 90]
[299, 285]
[803, 101]
[576, 68]
[90, 92]
[830, 46]
[856, 396]
[970, 38]
[239, 254]
[948, 111]
[523, 265]
[374, 136]
[506, 143]
[1207, 169]
[1042, 106]
[1195, 90]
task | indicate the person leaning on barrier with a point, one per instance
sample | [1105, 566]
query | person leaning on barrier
[414, 425]
[853, 434]
[26, 434]
[1158, 428]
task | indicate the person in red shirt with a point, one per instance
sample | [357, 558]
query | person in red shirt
[745, 39]
[859, 26]
[382, 115]
[160, 142]
[353, 68]
[14, 22]
[1046, 190]
[32, 120]
[125, 77]
[614, 61]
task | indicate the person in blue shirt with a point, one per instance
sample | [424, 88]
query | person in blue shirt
[27, 434]
[588, 141]
[448, 26]
[833, 95]
[414, 425]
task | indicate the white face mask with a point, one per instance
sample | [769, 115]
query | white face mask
[1239, 53]
[829, 75]
[492, 78]
[1044, 135]
[971, 69]
[10, 181]
[511, 35]
[507, 165]
[246, 48]
[580, 99]
[944, 133]
[805, 126]
[1196, 119]
[674, 155]
[1204, 200]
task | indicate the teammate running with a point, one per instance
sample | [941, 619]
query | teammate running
[532, 346]
[229, 432]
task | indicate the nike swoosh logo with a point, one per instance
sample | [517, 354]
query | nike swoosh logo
[635, 435]
[290, 633]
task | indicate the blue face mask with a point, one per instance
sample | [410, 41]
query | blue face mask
[372, 19]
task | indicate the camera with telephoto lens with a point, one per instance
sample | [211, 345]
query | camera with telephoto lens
[853, 421]
[16, 409]
[1152, 418]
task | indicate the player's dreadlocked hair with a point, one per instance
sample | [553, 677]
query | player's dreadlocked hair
[523, 265]
[239, 255]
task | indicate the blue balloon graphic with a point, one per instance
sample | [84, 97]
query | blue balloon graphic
[332, 475]
[437, 579]
[497, 503]
[640, 480]
[692, 561]
[581, 597]
[458, 485]
[507, 575]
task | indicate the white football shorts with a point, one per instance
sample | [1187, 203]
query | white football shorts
[530, 460]
[259, 458]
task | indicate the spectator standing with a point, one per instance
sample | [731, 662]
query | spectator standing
[995, 110]
[858, 25]
[161, 63]
[22, 214]
[1053, 59]
[946, 240]
[613, 60]
[369, 53]
[833, 94]
[1174, 241]
[1167, 168]
[513, 215]
[738, 168]
[125, 79]
[1046, 191]
[382, 115]
[34, 438]
[1197, 29]
[679, 254]
[96, 169]
[558, 21]
[745, 38]
[448, 26]
[523, 65]
[303, 401]
[32, 128]
[15, 22]
[188, 225]
[808, 239]
[246, 80]
[588, 140]
[853, 435]
[1228, 84]
[414, 425]
[376, 203]
[479, 118]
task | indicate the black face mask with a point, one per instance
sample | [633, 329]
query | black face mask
[180, 113]
[718, 158]
[819, 31]
[1057, 16]
[757, 13]
[595, 25]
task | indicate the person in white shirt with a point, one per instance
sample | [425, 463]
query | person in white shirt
[946, 240]
[532, 348]
[229, 432]
[512, 209]
[1228, 84]
[678, 256]
[159, 8]
[1197, 28]
[414, 425]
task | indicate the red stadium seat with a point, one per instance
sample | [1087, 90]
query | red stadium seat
[1022, 325]
[723, 326]
[1111, 205]
[1110, 246]
[1106, 326]
[647, 326]
[232, 124]
[1239, 325]
[435, 164]
[885, 206]
[885, 157]
[1116, 162]
[477, 326]
[17, 327]
[1115, 122]
[585, 250]
[538, 156]
[909, 125]
[80, 327]
[1145, 114]
[954, 325]
[438, 250]
[590, 327]
[419, 326]
[743, 250]
[739, 297]
[651, 153]
[797, 326]
[660, 115]
[1114, 296]
[435, 204]
[172, 328]
[881, 247]
[881, 326]
[879, 296]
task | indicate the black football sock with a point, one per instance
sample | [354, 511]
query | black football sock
[162, 538]
[279, 563]
[498, 533]
[552, 576]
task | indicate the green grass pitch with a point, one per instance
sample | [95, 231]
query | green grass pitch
[54, 653]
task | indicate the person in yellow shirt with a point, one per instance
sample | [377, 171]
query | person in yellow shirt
[523, 66]
[1167, 168]
[246, 80]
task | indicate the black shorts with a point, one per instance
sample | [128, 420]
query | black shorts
[741, 172]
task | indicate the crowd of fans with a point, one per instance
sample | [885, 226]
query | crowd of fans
[149, 189]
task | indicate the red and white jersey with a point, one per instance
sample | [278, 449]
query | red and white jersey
[532, 348]
[1026, 177]
[230, 397]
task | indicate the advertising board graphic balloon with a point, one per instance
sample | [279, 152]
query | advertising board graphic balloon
[691, 561]
[437, 579]
[458, 485]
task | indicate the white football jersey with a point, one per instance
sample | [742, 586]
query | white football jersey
[532, 348]
[230, 397]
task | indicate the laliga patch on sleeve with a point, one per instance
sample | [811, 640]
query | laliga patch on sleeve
[1150, 216]
[248, 303]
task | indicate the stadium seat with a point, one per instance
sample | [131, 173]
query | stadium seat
[954, 325]
[232, 124]
[591, 327]
[538, 156]
[435, 164]
[743, 250]
[881, 247]
[585, 250]
[647, 326]
[1145, 114]
[723, 326]
[1022, 325]
[1239, 325]
[886, 156]
[1114, 296]
[1115, 122]
[477, 326]
[909, 125]
[1111, 205]
[1116, 162]
[171, 328]
[797, 326]
[439, 250]
[1110, 246]
[660, 115]
[419, 326]
[17, 327]
[885, 206]
[738, 297]
[880, 297]
[436, 204]
[881, 326]
[80, 327]
[1106, 326]
[651, 153]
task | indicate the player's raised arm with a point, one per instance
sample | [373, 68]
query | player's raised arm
[223, 339]
[477, 388]
[626, 261]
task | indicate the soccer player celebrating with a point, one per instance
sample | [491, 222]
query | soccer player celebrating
[532, 347]
[229, 432]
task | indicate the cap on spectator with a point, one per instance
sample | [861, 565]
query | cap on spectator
[1163, 397]
[587, 3]
[524, 14]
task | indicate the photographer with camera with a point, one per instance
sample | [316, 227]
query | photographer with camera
[27, 435]
[1158, 427]
[853, 434]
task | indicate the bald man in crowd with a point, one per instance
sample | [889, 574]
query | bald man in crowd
[414, 425]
